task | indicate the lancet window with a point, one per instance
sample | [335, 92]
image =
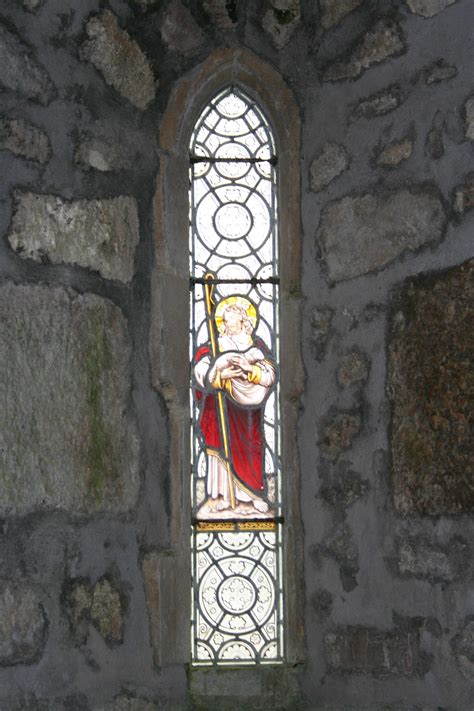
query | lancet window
[237, 515]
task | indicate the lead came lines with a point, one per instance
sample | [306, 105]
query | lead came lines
[237, 596]
[217, 214]
[238, 584]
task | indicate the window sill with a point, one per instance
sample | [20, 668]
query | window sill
[253, 687]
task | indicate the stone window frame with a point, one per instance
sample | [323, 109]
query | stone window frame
[169, 334]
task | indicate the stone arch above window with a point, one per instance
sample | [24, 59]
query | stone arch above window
[170, 318]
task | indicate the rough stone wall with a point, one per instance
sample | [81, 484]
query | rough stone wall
[387, 105]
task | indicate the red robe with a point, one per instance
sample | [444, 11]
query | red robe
[244, 432]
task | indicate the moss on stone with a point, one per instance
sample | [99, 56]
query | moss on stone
[100, 455]
[432, 384]
[106, 611]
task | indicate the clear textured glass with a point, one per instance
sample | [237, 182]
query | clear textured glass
[237, 597]
[234, 342]
[233, 196]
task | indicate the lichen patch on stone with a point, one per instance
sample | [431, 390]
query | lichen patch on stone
[24, 140]
[179, 30]
[361, 234]
[23, 624]
[428, 8]
[384, 40]
[333, 11]
[432, 385]
[120, 60]
[331, 162]
[98, 234]
[394, 153]
[20, 72]
[67, 439]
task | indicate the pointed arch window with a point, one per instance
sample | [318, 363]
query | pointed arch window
[237, 522]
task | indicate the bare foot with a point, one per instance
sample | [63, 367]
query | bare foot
[222, 505]
[260, 505]
[244, 509]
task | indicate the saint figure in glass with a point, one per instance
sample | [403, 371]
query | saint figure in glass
[234, 374]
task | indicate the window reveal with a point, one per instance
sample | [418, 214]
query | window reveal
[237, 510]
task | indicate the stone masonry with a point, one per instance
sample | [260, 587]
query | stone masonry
[94, 586]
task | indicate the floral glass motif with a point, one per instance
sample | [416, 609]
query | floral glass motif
[236, 533]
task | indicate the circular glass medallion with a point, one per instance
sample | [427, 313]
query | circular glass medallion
[233, 221]
[233, 542]
[234, 271]
[232, 106]
[233, 160]
[236, 595]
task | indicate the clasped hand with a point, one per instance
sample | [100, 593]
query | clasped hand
[233, 366]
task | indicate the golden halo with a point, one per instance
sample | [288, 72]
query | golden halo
[245, 304]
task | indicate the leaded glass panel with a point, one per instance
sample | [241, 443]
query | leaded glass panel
[236, 487]
[237, 595]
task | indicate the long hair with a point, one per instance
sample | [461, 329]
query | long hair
[246, 322]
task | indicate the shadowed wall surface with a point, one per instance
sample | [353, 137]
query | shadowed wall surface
[91, 514]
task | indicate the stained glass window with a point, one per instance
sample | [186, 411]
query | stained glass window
[235, 435]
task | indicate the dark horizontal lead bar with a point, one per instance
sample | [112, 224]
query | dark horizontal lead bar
[253, 280]
[202, 159]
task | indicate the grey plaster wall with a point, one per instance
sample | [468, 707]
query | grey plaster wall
[385, 94]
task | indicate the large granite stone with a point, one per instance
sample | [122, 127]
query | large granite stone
[379, 652]
[102, 149]
[431, 382]
[23, 626]
[384, 40]
[464, 196]
[120, 60]
[20, 72]
[107, 611]
[341, 546]
[179, 30]
[67, 438]
[24, 140]
[97, 234]
[339, 433]
[428, 8]
[394, 153]
[358, 235]
[345, 488]
[281, 20]
[330, 163]
[354, 368]
[333, 11]
[439, 71]
[469, 112]
[320, 322]
[423, 559]
[378, 104]
[222, 13]
[99, 605]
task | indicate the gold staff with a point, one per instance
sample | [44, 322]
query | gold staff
[208, 289]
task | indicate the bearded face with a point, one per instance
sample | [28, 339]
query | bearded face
[235, 320]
